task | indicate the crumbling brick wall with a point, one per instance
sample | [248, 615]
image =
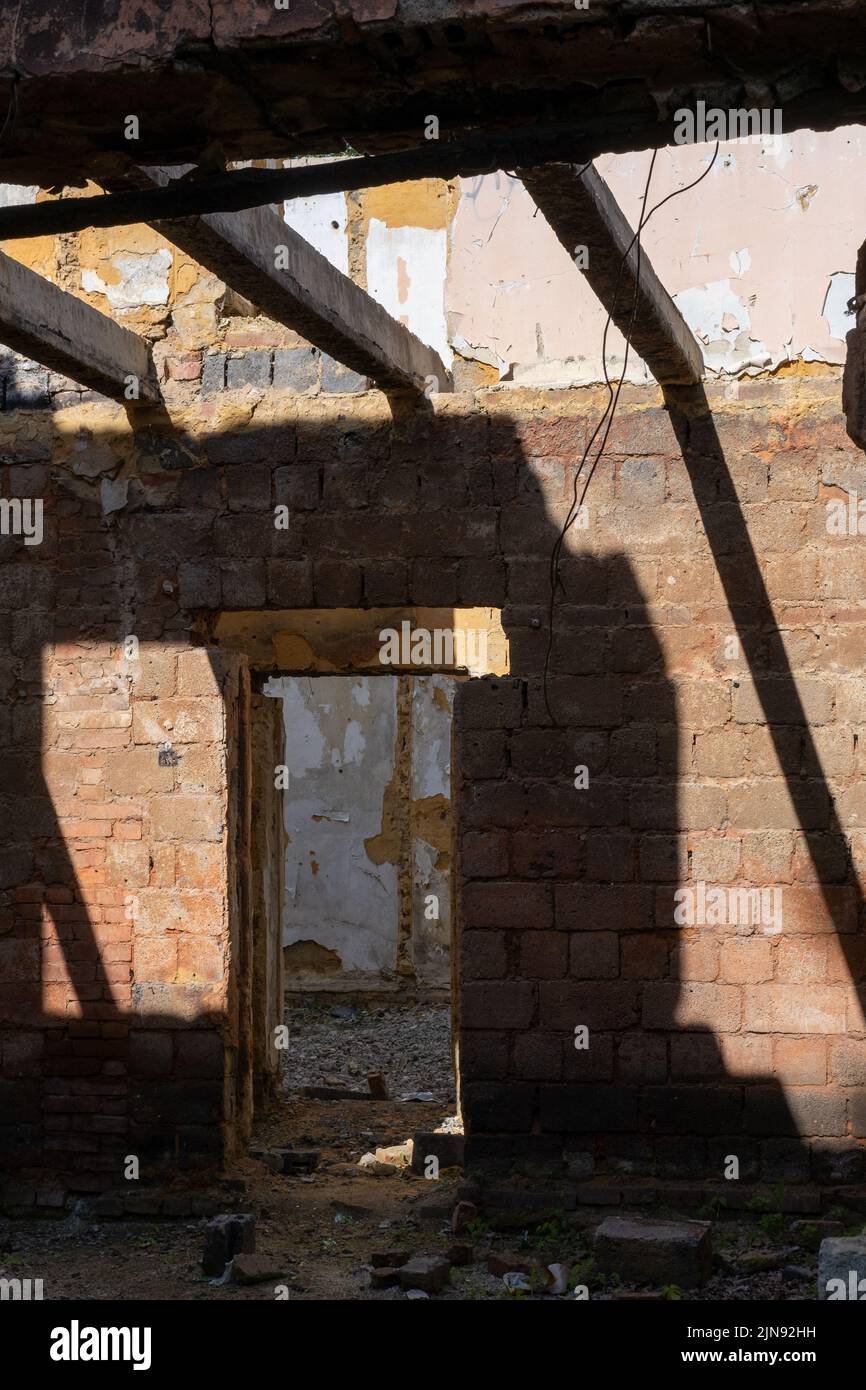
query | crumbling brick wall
[132, 1034]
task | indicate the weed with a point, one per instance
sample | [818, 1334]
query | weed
[551, 1232]
[712, 1210]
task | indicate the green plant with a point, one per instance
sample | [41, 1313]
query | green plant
[772, 1225]
[673, 1292]
[477, 1227]
[584, 1272]
[551, 1232]
[758, 1205]
[712, 1209]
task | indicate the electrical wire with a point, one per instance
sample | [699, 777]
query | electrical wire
[607, 417]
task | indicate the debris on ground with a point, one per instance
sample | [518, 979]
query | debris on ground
[227, 1236]
[405, 1046]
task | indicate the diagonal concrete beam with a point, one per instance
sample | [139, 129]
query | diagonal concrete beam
[259, 256]
[64, 333]
[583, 212]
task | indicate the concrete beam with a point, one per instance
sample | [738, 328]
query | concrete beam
[237, 190]
[259, 256]
[62, 332]
[583, 212]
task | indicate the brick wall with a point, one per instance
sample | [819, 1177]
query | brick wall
[126, 1029]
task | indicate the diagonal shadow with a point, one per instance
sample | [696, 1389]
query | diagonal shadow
[763, 646]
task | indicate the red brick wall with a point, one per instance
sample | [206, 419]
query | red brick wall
[120, 1035]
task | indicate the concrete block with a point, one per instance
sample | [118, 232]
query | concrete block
[655, 1252]
[226, 1236]
[842, 1269]
[427, 1272]
[447, 1148]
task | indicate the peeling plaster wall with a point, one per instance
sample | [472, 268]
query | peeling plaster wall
[367, 815]
[759, 258]
[406, 274]
[432, 854]
[339, 751]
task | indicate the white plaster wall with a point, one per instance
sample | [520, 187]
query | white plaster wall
[406, 269]
[322, 222]
[759, 257]
[339, 750]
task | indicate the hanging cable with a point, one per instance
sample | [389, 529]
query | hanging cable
[607, 417]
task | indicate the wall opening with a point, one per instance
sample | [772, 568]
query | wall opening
[353, 836]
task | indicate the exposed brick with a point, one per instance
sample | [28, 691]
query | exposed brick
[782, 1008]
[490, 704]
[296, 369]
[484, 854]
[538, 1056]
[483, 955]
[688, 1005]
[507, 905]
[588, 1109]
[484, 1055]
[253, 369]
[594, 956]
[800, 1061]
[543, 955]
[604, 1005]
[498, 1005]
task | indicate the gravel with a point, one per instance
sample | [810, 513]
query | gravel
[339, 1044]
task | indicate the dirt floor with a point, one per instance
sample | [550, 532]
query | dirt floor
[320, 1231]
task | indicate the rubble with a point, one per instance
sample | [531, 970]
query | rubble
[501, 1264]
[463, 1214]
[254, 1269]
[429, 1273]
[226, 1236]
[447, 1149]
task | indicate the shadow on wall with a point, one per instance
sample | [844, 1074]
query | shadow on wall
[567, 895]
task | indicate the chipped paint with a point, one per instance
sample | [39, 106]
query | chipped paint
[432, 825]
[367, 814]
[406, 268]
[339, 896]
[132, 281]
[322, 221]
[760, 241]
